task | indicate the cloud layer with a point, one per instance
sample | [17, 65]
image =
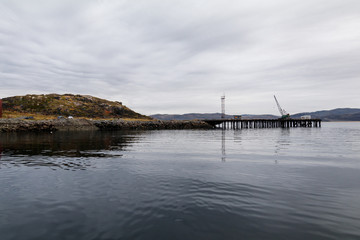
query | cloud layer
[176, 56]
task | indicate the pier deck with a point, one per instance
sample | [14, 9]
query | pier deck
[263, 123]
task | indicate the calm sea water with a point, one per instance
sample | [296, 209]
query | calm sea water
[189, 184]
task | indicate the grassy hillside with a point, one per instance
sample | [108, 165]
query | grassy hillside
[66, 105]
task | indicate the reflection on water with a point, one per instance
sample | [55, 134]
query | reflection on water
[66, 150]
[181, 185]
[223, 150]
[283, 140]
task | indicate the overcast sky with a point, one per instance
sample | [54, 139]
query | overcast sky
[180, 56]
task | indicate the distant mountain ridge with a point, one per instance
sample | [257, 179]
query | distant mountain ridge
[338, 114]
[200, 116]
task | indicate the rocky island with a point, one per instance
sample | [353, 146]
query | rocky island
[54, 112]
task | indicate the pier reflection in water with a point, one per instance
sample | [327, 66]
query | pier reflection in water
[280, 143]
[223, 150]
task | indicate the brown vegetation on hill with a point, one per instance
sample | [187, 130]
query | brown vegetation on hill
[54, 105]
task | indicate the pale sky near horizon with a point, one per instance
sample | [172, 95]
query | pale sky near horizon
[180, 56]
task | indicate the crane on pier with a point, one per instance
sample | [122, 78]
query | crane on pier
[283, 113]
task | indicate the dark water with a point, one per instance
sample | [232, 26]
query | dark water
[243, 184]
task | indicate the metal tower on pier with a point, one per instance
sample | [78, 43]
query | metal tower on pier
[223, 106]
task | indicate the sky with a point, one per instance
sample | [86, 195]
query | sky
[181, 56]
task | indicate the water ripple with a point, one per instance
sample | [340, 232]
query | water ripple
[251, 184]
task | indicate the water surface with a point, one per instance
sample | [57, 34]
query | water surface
[182, 184]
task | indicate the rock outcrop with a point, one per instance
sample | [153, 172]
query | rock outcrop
[150, 125]
[14, 125]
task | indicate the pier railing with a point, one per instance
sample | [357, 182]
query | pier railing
[263, 123]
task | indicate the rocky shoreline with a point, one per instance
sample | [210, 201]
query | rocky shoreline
[16, 125]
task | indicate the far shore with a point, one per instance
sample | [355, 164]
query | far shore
[21, 125]
[78, 124]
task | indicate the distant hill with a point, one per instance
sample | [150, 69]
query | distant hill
[190, 116]
[69, 105]
[339, 114]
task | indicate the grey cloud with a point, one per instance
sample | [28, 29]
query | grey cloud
[180, 56]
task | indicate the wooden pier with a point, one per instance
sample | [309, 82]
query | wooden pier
[263, 123]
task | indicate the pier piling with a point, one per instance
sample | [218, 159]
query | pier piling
[263, 123]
